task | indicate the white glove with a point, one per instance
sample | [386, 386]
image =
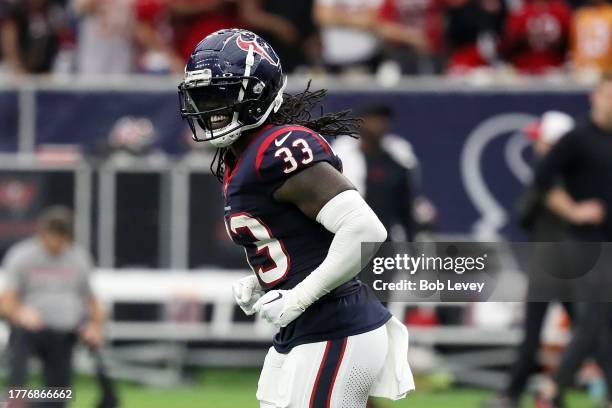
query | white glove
[246, 292]
[279, 307]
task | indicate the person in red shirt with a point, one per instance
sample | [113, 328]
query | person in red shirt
[172, 28]
[193, 20]
[536, 36]
[414, 21]
[417, 24]
[155, 52]
[471, 33]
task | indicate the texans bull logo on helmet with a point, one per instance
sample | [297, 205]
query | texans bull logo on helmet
[257, 49]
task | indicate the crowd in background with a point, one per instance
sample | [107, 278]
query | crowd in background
[402, 36]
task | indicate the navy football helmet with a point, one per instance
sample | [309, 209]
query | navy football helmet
[233, 81]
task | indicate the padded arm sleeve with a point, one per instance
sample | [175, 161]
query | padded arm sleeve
[352, 221]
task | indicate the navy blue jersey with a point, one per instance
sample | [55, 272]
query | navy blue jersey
[282, 244]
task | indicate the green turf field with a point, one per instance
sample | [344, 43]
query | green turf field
[236, 389]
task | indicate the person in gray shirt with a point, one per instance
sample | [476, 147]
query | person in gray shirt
[48, 300]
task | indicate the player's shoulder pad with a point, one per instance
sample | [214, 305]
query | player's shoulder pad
[288, 149]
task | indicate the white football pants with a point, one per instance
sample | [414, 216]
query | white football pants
[331, 374]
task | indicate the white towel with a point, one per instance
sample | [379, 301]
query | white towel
[396, 380]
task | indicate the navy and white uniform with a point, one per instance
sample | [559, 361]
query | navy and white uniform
[337, 352]
[344, 347]
[283, 246]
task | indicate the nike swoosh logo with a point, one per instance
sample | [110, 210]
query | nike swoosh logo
[280, 295]
[279, 142]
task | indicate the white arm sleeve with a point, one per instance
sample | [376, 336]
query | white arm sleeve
[352, 221]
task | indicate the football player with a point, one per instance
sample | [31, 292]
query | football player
[300, 222]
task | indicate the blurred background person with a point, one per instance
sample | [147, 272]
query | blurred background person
[413, 32]
[536, 36]
[542, 225]
[30, 32]
[582, 162]
[105, 36]
[347, 34]
[288, 27]
[48, 300]
[153, 39]
[192, 20]
[472, 31]
[383, 167]
[167, 31]
[591, 40]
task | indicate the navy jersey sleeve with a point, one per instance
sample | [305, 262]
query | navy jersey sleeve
[290, 150]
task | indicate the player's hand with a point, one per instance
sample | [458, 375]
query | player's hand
[92, 334]
[589, 212]
[28, 318]
[279, 307]
[247, 291]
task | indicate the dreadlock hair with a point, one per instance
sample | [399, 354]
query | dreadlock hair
[297, 110]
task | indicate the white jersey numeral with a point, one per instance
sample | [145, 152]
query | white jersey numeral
[305, 149]
[287, 156]
[277, 265]
[285, 153]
